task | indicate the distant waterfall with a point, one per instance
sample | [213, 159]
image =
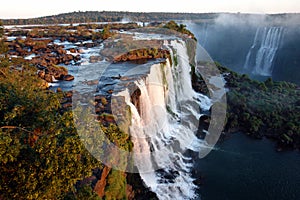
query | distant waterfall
[262, 53]
[164, 127]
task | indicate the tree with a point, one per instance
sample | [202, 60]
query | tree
[1, 29]
[106, 33]
[3, 47]
[41, 155]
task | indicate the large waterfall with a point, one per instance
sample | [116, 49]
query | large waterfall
[263, 51]
[163, 127]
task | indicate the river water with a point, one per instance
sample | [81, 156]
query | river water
[248, 169]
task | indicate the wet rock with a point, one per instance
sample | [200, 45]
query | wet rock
[68, 77]
[94, 59]
[68, 94]
[92, 82]
[61, 51]
[73, 50]
[135, 99]
[57, 72]
[67, 105]
[58, 89]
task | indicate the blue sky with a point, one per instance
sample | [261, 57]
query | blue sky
[35, 8]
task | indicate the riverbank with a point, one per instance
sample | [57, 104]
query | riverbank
[260, 109]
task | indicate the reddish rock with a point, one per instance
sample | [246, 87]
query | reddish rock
[73, 50]
[100, 185]
[48, 78]
[67, 105]
[61, 51]
[41, 74]
[129, 192]
[58, 72]
[58, 89]
[69, 94]
[68, 77]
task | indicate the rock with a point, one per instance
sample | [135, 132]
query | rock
[89, 45]
[80, 51]
[61, 51]
[135, 99]
[67, 105]
[57, 71]
[129, 192]
[77, 58]
[94, 59]
[73, 50]
[142, 54]
[92, 82]
[72, 39]
[69, 94]
[108, 118]
[68, 77]
[100, 185]
[48, 78]
[41, 74]
[58, 89]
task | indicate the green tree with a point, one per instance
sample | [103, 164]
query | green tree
[41, 155]
[106, 33]
[1, 29]
[3, 46]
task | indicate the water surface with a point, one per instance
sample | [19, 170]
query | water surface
[248, 169]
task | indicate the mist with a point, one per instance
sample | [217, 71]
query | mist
[274, 39]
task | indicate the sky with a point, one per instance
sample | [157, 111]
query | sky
[38, 8]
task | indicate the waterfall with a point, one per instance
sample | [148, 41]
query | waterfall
[252, 49]
[262, 53]
[164, 126]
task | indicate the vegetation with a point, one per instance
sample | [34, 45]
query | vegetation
[3, 47]
[41, 154]
[95, 16]
[270, 109]
[181, 28]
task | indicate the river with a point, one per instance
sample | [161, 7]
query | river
[248, 169]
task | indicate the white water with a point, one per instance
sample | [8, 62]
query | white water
[165, 127]
[252, 49]
[267, 41]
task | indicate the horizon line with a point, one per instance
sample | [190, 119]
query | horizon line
[171, 12]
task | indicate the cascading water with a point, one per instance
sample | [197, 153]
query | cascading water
[262, 53]
[252, 49]
[164, 127]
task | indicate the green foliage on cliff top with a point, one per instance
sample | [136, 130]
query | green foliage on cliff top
[181, 28]
[264, 108]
